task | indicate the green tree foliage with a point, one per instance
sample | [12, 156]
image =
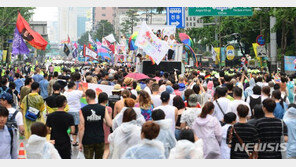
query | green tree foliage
[103, 28]
[8, 17]
[83, 39]
[130, 22]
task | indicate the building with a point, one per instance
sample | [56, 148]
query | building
[105, 13]
[53, 31]
[68, 23]
[84, 20]
[40, 27]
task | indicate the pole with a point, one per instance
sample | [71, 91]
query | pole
[273, 45]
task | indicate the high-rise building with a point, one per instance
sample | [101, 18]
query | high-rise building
[68, 23]
[192, 21]
[104, 13]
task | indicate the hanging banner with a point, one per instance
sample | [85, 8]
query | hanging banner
[230, 52]
[152, 45]
[4, 55]
[218, 53]
[289, 63]
[223, 56]
[164, 29]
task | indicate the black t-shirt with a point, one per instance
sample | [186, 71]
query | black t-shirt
[248, 134]
[93, 115]
[270, 132]
[51, 100]
[60, 121]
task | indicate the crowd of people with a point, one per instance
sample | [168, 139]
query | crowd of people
[204, 113]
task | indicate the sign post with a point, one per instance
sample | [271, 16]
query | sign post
[222, 11]
[176, 16]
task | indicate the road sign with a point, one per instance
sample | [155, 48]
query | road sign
[230, 52]
[222, 11]
[176, 16]
[260, 40]
[261, 51]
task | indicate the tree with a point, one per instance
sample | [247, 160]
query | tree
[103, 28]
[8, 17]
[159, 10]
[130, 22]
[83, 39]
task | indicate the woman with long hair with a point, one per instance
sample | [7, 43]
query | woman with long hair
[208, 128]
[145, 104]
[281, 106]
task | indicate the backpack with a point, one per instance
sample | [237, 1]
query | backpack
[253, 102]
[112, 100]
[3, 91]
[12, 126]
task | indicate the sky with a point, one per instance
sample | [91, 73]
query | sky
[45, 14]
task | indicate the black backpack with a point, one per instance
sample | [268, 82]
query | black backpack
[253, 102]
[12, 126]
[112, 100]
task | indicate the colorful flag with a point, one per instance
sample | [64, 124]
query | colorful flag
[89, 52]
[75, 44]
[33, 38]
[18, 44]
[110, 38]
[207, 76]
[66, 50]
[74, 53]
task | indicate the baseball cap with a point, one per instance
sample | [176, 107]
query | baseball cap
[165, 96]
[7, 96]
[169, 89]
[192, 100]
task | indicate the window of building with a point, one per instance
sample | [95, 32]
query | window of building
[194, 24]
[197, 20]
[190, 18]
[190, 24]
[103, 8]
[103, 14]
[186, 18]
[194, 18]
[186, 24]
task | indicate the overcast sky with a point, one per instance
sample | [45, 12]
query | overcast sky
[45, 14]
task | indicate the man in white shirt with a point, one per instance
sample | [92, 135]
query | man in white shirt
[221, 104]
[6, 101]
[149, 83]
[155, 97]
[237, 95]
[171, 112]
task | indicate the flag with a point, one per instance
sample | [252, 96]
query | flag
[108, 45]
[74, 53]
[18, 44]
[110, 38]
[207, 76]
[66, 50]
[75, 44]
[214, 54]
[33, 38]
[89, 52]
[90, 39]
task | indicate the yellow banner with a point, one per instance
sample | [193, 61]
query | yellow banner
[4, 55]
[255, 45]
[218, 53]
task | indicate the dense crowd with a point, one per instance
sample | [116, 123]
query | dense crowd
[205, 113]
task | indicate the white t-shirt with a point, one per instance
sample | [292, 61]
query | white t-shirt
[225, 150]
[171, 99]
[224, 103]
[18, 117]
[147, 89]
[232, 107]
[189, 115]
[73, 99]
[156, 100]
[169, 114]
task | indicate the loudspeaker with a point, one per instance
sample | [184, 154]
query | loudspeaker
[165, 66]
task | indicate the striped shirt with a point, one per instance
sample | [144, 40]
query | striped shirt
[248, 134]
[270, 131]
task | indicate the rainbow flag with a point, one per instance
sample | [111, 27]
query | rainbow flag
[207, 76]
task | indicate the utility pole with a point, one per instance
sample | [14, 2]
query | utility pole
[273, 45]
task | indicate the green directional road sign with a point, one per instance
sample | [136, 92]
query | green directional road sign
[221, 11]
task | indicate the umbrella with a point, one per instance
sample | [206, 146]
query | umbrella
[157, 78]
[131, 41]
[137, 76]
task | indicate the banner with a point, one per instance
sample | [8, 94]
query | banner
[165, 29]
[223, 56]
[66, 50]
[90, 53]
[4, 55]
[218, 52]
[289, 63]
[255, 45]
[152, 45]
